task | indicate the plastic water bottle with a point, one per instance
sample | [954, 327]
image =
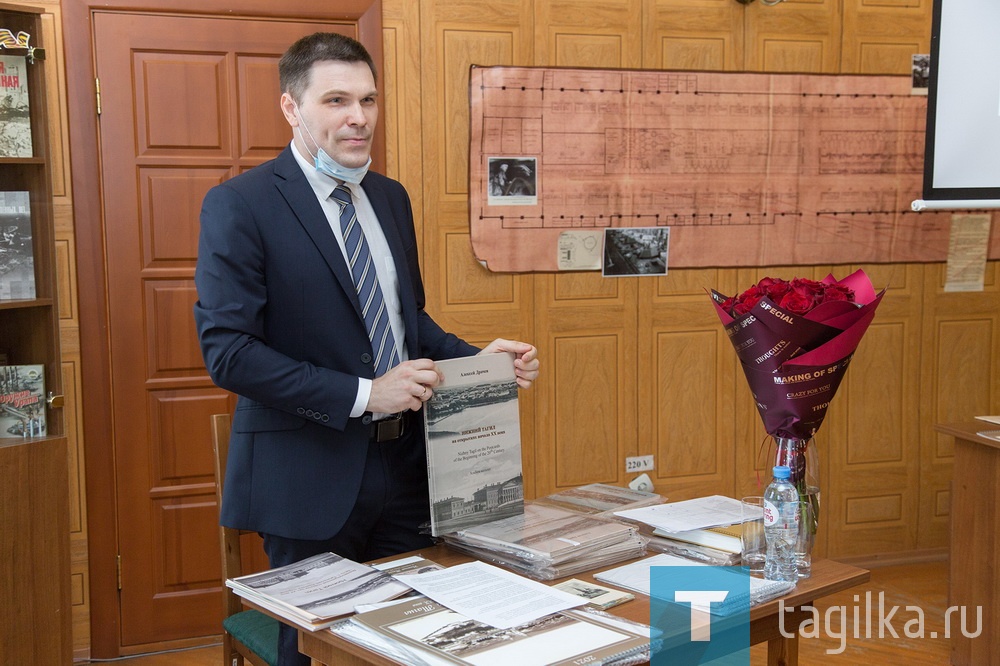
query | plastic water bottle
[781, 526]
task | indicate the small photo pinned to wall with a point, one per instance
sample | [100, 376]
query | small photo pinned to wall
[921, 73]
[513, 181]
[636, 251]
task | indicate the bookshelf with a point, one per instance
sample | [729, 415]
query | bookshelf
[35, 620]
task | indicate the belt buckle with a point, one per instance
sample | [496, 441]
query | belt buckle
[389, 429]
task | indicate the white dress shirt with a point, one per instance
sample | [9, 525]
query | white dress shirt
[385, 267]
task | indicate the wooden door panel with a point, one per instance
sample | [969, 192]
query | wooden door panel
[187, 102]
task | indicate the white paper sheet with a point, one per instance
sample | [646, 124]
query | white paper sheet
[693, 514]
[490, 594]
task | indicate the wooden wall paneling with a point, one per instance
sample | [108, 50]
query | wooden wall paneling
[794, 36]
[685, 384]
[693, 34]
[879, 36]
[585, 422]
[871, 438]
[462, 295]
[588, 33]
[401, 114]
[960, 332]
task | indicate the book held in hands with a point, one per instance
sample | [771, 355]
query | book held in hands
[315, 592]
[473, 432]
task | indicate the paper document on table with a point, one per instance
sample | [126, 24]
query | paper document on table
[990, 419]
[489, 594]
[637, 576]
[693, 514]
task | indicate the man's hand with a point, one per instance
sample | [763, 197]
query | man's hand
[525, 359]
[406, 386]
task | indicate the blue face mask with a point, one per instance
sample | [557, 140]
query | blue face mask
[329, 166]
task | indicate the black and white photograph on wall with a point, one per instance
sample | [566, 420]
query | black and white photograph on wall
[513, 181]
[636, 251]
[921, 73]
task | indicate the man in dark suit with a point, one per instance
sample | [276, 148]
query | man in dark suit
[327, 451]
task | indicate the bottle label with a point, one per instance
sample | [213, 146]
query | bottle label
[773, 518]
[770, 514]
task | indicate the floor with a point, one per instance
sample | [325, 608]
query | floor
[918, 592]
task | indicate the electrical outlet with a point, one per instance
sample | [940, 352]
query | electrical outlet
[638, 464]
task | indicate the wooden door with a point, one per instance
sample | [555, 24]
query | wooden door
[186, 102]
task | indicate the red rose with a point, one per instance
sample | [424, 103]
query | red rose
[837, 292]
[796, 302]
[775, 288]
[747, 300]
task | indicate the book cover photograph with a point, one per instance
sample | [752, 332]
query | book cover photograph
[17, 259]
[22, 400]
[313, 593]
[561, 638]
[474, 443]
[15, 121]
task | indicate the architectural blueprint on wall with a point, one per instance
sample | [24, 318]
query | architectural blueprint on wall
[746, 169]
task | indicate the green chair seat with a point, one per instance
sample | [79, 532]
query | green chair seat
[257, 631]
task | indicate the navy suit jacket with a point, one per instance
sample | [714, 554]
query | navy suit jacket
[280, 325]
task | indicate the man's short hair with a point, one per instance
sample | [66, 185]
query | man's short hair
[296, 64]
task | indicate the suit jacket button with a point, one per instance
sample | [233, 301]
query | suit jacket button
[301, 410]
[309, 412]
[367, 419]
[366, 358]
[325, 418]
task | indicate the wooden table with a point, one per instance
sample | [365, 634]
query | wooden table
[827, 578]
[975, 541]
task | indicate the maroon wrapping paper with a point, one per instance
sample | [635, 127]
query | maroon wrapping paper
[795, 363]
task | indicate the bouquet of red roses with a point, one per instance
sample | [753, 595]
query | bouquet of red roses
[795, 340]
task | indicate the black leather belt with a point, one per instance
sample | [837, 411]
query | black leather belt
[388, 429]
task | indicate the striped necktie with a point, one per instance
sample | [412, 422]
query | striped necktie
[366, 282]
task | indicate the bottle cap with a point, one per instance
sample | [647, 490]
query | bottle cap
[781, 471]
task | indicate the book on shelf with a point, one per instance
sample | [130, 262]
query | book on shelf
[473, 432]
[22, 401]
[600, 498]
[317, 591]
[17, 258]
[15, 107]
[433, 633]
[597, 596]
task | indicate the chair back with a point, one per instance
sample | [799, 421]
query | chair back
[247, 634]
